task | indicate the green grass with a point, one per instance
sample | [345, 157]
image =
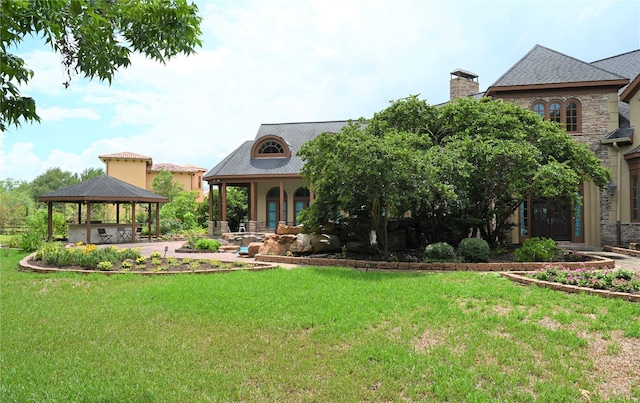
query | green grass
[315, 334]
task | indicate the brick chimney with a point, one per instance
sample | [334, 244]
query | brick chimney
[463, 84]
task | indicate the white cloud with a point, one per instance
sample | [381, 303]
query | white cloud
[56, 114]
[280, 61]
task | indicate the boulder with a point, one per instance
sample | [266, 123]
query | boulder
[254, 248]
[271, 246]
[302, 244]
[288, 230]
[324, 243]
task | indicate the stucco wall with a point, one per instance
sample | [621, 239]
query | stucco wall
[130, 171]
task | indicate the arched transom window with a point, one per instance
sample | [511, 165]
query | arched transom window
[270, 147]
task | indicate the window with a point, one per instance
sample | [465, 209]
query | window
[566, 113]
[539, 108]
[571, 116]
[270, 146]
[554, 112]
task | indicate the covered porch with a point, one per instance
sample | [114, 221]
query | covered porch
[271, 201]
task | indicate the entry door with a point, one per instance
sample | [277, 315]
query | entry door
[551, 218]
[273, 212]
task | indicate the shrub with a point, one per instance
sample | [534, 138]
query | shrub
[536, 250]
[440, 251]
[474, 250]
[106, 265]
[155, 255]
[208, 244]
[126, 265]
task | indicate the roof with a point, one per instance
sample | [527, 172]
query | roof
[239, 162]
[125, 155]
[103, 188]
[621, 135]
[165, 166]
[542, 66]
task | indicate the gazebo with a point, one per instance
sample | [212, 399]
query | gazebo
[107, 190]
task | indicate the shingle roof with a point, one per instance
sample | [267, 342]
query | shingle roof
[239, 162]
[626, 65]
[103, 188]
[545, 66]
[125, 155]
[165, 166]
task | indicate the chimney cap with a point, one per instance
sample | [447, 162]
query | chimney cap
[464, 74]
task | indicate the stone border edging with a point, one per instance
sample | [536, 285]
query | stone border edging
[622, 251]
[445, 266]
[520, 278]
[25, 265]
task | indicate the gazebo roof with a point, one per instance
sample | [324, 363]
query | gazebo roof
[103, 188]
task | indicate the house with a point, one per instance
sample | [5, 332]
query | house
[269, 168]
[598, 103]
[139, 170]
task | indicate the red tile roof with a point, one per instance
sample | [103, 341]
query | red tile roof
[125, 155]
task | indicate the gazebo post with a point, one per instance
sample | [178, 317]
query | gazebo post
[117, 212]
[50, 221]
[88, 222]
[157, 220]
[79, 213]
[133, 221]
[149, 221]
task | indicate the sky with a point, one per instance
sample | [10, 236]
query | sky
[273, 61]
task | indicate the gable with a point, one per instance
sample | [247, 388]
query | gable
[545, 68]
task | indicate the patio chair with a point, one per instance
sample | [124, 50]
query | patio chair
[138, 233]
[104, 237]
[242, 227]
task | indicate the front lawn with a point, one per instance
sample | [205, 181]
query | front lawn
[312, 334]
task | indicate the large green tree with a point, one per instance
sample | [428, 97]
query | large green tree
[53, 179]
[461, 168]
[94, 38]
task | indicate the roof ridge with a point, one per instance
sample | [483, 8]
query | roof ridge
[300, 123]
[614, 56]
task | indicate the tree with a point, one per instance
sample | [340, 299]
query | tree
[90, 173]
[94, 38]
[461, 168]
[164, 185]
[53, 179]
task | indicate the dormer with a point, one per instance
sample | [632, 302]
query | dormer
[270, 146]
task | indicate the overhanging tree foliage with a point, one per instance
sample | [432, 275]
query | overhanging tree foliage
[461, 169]
[93, 37]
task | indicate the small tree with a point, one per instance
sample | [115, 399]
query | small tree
[164, 185]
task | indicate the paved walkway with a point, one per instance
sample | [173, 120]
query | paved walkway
[622, 261]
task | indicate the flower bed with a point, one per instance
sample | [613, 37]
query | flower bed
[621, 283]
[605, 279]
[87, 258]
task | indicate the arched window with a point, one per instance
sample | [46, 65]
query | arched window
[566, 113]
[301, 200]
[270, 147]
[554, 112]
[540, 109]
[571, 116]
[273, 207]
